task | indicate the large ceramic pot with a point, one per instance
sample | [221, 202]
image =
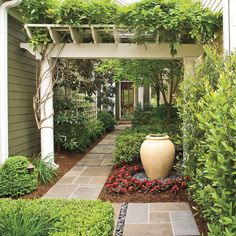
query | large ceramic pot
[157, 155]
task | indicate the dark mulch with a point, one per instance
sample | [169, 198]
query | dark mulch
[166, 196]
[66, 161]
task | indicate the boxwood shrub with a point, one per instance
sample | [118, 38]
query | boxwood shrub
[55, 217]
[15, 179]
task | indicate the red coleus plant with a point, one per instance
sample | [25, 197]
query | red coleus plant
[122, 181]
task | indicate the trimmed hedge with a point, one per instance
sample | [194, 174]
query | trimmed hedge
[129, 141]
[57, 217]
[208, 109]
[15, 179]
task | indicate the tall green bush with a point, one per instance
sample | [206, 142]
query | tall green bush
[15, 179]
[107, 120]
[71, 132]
[208, 109]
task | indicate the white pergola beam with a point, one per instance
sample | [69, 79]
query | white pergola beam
[75, 35]
[116, 35]
[56, 38]
[121, 50]
[95, 35]
[28, 31]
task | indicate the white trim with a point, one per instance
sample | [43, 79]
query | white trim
[229, 25]
[4, 146]
[120, 50]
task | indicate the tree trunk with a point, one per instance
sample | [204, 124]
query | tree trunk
[99, 102]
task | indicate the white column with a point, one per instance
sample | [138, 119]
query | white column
[140, 96]
[46, 112]
[3, 88]
[229, 25]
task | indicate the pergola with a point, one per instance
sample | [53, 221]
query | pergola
[94, 42]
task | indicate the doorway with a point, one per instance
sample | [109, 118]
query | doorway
[127, 99]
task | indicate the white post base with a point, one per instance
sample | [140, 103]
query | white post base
[46, 112]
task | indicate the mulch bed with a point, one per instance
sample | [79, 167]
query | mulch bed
[65, 160]
[165, 196]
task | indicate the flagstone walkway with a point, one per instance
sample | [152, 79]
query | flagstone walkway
[86, 179]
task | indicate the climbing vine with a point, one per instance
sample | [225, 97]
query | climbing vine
[173, 21]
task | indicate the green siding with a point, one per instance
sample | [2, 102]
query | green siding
[23, 134]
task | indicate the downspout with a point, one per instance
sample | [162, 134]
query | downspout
[4, 7]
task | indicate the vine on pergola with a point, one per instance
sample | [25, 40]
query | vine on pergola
[173, 21]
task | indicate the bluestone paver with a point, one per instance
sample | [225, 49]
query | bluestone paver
[184, 224]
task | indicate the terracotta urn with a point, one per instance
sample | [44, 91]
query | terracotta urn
[157, 155]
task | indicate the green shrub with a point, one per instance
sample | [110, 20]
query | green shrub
[55, 217]
[107, 120]
[208, 109]
[128, 147]
[15, 179]
[152, 115]
[71, 132]
[44, 170]
[95, 128]
[129, 141]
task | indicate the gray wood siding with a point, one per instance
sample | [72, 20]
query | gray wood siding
[23, 134]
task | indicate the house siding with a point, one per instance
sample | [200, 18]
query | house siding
[24, 136]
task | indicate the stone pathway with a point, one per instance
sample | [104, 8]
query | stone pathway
[160, 219]
[86, 179]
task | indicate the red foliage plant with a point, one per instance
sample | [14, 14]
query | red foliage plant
[121, 181]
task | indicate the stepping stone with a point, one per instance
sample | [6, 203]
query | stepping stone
[97, 171]
[82, 180]
[87, 192]
[169, 206]
[159, 217]
[137, 213]
[103, 148]
[162, 229]
[67, 179]
[108, 141]
[90, 162]
[107, 156]
[60, 191]
[73, 173]
[184, 224]
[107, 162]
[98, 180]
[92, 156]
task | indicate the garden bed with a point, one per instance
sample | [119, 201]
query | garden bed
[146, 197]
